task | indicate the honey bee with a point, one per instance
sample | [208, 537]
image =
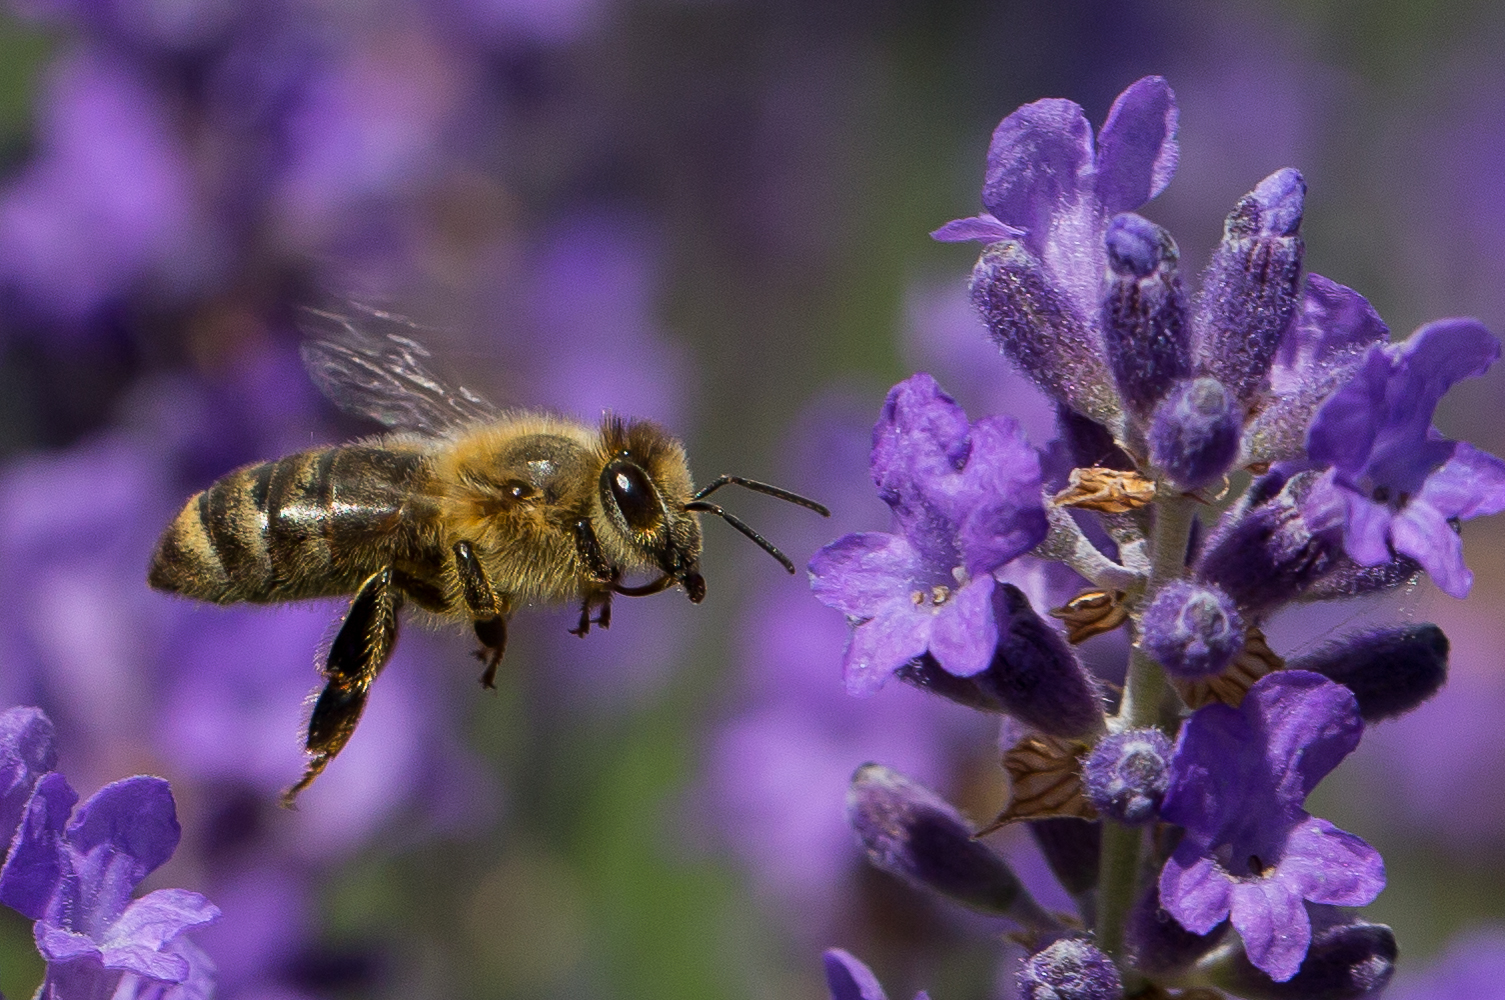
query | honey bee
[463, 510]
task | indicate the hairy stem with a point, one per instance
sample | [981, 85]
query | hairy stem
[1144, 687]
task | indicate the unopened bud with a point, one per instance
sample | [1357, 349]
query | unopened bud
[1194, 435]
[1034, 324]
[1249, 290]
[1144, 312]
[909, 831]
[1193, 630]
[1127, 773]
[1070, 969]
[1389, 670]
[1345, 962]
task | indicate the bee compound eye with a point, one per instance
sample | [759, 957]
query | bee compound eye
[634, 495]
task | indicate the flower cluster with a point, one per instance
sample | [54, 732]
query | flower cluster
[1173, 812]
[72, 870]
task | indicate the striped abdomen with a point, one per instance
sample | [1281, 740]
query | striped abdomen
[313, 524]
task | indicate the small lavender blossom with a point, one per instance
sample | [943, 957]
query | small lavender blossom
[74, 877]
[1127, 773]
[1193, 630]
[1070, 969]
[1394, 481]
[1194, 435]
[1049, 192]
[849, 979]
[1250, 852]
[966, 499]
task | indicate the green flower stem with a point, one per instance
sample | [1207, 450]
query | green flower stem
[1144, 689]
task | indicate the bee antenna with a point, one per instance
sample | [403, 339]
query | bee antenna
[763, 543]
[756, 487]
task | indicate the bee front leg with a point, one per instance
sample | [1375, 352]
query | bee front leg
[358, 653]
[587, 604]
[488, 616]
[601, 571]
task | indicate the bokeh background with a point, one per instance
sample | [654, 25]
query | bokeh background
[710, 212]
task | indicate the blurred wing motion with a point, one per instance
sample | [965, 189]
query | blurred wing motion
[369, 365]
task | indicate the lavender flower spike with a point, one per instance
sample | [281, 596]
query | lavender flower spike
[966, 500]
[1250, 852]
[1394, 481]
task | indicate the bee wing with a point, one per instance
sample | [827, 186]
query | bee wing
[370, 366]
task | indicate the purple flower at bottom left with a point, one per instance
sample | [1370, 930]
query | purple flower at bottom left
[73, 871]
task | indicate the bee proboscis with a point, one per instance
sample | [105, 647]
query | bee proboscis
[463, 511]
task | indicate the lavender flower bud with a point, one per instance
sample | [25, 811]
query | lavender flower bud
[1193, 630]
[1346, 962]
[1389, 670]
[1348, 579]
[1070, 969]
[1250, 287]
[911, 832]
[1265, 555]
[1035, 673]
[1072, 847]
[926, 674]
[1127, 773]
[1034, 325]
[1158, 943]
[1194, 435]
[1144, 312]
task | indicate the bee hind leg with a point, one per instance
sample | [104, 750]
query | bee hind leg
[359, 651]
[488, 615]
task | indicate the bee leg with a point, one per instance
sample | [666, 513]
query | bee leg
[589, 551]
[362, 647]
[488, 618]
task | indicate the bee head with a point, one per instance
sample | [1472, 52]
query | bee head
[644, 487]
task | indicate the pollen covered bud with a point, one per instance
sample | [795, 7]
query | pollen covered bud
[1389, 670]
[1144, 312]
[1127, 773]
[1249, 290]
[1070, 969]
[1194, 436]
[909, 831]
[1345, 962]
[1192, 629]
[1032, 322]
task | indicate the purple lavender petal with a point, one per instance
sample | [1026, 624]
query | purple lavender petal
[849, 979]
[879, 647]
[1422, 532]
[27, 751]
[1333, 866]
[136, 941]
[868, 574]
[982, 228]
[1470, 484]
[964, 632]
[1136, 148]
[1329, 338]
[1309, 725]
[1001, 513]
[33, 874]
[1039, 163]
[921, 434]
[121, 834]
[1272, 920]
[1196, 892]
